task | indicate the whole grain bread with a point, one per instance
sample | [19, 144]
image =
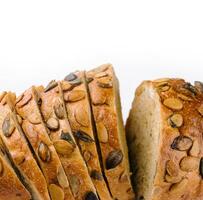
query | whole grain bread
[105, 101]
[164, 131]
[55, 116]
[37, 135]
[79, 115]
[18, 149]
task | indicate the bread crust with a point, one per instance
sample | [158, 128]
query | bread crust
[37, 135]
[79, 116]
[19, 151]
[102, 85]
[178, 172]
[74, 165]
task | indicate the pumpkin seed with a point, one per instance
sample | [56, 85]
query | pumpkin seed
[87, 156]
[67, 137]
[91, 196]
[103, 133]
[176, 120]
[171, 168]
[184, 97]
[199, 86]
[53, 123]
[81, 118]
[105, 82]
[66, 86]
[8, 126]
[61, 177]
[173, 103]
[64, 148]
[114, 159]
[96, 175]
[58, 109]
[101, 74]
[44, 152]
[56, 192]
[76, 82]
[172, 179]
[74, 184]
[181, 143]
[201, 167]
[89, 79]
[194, 151]
[200, 109]
[70, 77]
[24, 100]
[161, 80]
[81, 135]
[189, 163]
[52, 84]
[180, 186]
[34, 118]
[19, 158]
[75, 95]
[191, 88]
[1, 168]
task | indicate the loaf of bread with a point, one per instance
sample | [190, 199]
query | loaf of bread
[164, 131]
[54, 114]
[80, 118]
[19, 151]
[105, 102]
[45, 152]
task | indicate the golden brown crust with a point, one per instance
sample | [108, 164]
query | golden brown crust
[55, 116]
[179, 172]
[11, 187]
[79, 115]
[114, 157]
[19, 150]
[36, 132]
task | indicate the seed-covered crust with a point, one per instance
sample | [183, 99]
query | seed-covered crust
[11, 187]
[103, 88]
[37, 135]
[54, 114]
[18, 149]
[179, 171]
[79, 115]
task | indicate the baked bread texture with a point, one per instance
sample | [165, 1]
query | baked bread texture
[106, 107]
[54, 114]
[164, 131]
[11, 186]
[37, 135]
[80, 118]
[18, 149]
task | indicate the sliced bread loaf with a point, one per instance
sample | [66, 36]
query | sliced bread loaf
[54, 114]
[79, 115]
[38, 137]
[19, 151]
[106, 107]
[164, 131]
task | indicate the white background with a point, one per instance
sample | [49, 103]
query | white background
[45, 40]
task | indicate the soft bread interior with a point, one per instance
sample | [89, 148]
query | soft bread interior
[143, 130]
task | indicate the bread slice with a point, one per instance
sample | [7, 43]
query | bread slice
[79, 115]
[18, 149]
[37, 135]
[54, 114]
[106, 107]
[164, 132]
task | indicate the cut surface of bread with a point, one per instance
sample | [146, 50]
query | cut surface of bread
[55, 116]
[37, 135]
[18, 149]
[105, 101]
[164, 131]
[79, 116]
[10, 186]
